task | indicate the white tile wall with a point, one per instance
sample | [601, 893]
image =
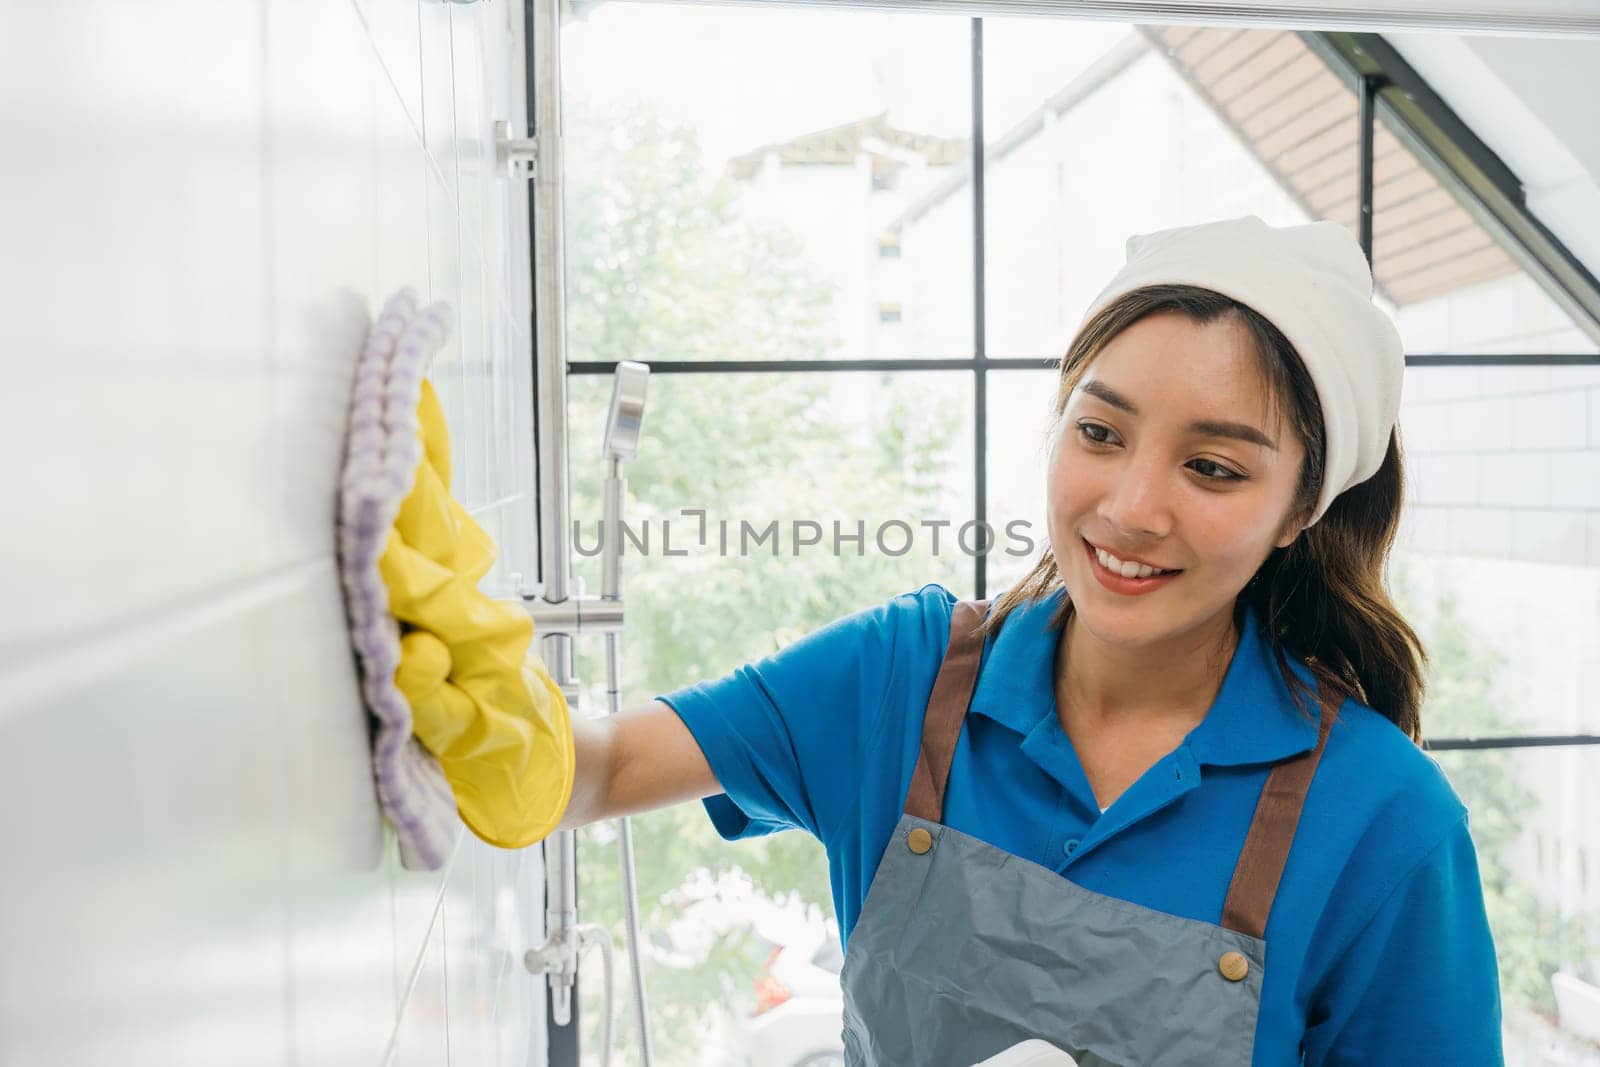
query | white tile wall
[1549, 535]
[1475, 425]
[1481, 315]
[1514, 480]
[200, 205]
[1553, 419]
[1575, 478]
[1480, 532]
[1425, 422]
[1444, 479]
[1504, 462]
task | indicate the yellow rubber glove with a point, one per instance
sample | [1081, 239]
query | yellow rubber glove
[481, 702]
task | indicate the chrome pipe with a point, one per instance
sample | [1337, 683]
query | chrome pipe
[550, 328]
[575, 616]
[612, 495]
[622, 434]
[555, 506]
[558, 612]
[630, 887]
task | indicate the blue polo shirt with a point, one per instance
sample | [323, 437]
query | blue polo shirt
[1378, 946]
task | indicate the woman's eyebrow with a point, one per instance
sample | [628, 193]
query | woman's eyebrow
[1098, 388]
[1204, 427]
[1237, 430]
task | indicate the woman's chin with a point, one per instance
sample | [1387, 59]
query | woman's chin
[1119, 618]
[1113, 628]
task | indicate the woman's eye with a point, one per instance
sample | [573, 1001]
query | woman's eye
[1208, 469]
[1084, 429]
[1223, 475]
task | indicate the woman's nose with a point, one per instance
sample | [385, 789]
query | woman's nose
[1137, 501]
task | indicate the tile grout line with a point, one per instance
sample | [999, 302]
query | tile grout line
[388, 75]
[404, 998]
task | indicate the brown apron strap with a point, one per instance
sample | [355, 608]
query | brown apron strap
[1277, 814]
[947, 707]
[1266, 848]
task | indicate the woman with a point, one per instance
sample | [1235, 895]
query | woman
[1162, 802]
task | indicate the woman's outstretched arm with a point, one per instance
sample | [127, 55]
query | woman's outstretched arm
[637, 760]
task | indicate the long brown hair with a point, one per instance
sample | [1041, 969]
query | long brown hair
[1323, 598]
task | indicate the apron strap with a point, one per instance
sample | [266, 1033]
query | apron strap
[1266, 848]
[947, 707]
[1272, 829]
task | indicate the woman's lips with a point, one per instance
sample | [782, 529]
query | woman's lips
[1119, 584]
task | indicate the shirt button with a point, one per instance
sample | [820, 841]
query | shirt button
[1070, 845]
[1233, 966]
[919, 840]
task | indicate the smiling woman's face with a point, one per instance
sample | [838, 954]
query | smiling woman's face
[1150, 484]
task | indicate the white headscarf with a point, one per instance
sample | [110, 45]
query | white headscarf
[1312, 282]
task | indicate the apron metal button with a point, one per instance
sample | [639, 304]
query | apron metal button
[1233, 966]
[919, 840]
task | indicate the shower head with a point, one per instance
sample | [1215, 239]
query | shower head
[626, 419]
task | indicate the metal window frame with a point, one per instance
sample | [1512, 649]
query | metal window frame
[1388, 89]
[1539, 20]
[1392, 91]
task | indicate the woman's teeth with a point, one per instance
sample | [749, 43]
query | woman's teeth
[1127, 570]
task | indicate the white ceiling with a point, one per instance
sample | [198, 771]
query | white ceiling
[1536, 103]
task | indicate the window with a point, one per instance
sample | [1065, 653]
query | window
[731, 202]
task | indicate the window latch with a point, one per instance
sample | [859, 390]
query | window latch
[515, 157]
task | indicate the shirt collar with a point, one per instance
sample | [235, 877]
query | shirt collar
[1252, 720]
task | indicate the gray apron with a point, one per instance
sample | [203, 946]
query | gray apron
[963, 950]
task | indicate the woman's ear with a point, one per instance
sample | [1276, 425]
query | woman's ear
[1291, 530]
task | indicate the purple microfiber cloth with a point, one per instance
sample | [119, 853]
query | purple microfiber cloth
[381, 456]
